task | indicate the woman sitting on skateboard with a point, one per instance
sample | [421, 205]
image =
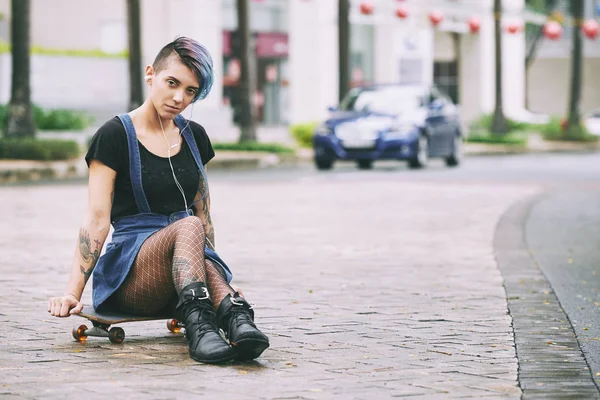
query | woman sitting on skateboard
[147, 179]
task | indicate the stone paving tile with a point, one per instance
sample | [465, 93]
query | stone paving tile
[370, 289]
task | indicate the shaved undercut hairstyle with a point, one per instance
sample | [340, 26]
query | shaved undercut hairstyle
[193, 55]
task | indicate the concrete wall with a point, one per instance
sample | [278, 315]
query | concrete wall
[77, 24]
[548, 85]
[72, 82]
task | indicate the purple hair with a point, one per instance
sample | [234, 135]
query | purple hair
[193, 55]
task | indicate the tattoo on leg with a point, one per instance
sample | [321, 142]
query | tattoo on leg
[184, 273]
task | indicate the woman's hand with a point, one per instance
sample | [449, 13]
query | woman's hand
[64, 306]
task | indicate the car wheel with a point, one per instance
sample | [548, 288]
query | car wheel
[457, 152]
[323, 163]
[422, 158]
[364, 164]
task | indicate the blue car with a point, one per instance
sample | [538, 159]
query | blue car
[413, 123]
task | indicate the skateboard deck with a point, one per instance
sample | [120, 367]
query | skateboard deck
[103, 320]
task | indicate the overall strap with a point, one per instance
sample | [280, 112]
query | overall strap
[135, 169]
[186, 131]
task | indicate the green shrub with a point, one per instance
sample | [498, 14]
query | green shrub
[54, 119]
[485, 122]
[303, 133]
[553, 130]
[512, 138]
[38, 149]
[253, 146]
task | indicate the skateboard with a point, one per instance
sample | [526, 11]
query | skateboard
[102, 321]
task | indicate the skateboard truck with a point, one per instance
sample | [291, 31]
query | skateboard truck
[115, 335]
[102, 322]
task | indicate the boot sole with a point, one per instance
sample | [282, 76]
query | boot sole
[223, 359]
[249, 349]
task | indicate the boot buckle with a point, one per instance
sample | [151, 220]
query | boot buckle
[204, 290]
[239, 303]
[235, 302]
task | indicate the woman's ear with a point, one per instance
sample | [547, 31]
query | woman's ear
[149, 74]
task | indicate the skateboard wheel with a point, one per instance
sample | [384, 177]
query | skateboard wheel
[79, 333]
[174, 326]
[116, 335]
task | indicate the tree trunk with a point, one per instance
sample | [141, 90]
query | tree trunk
[19, 119]
[499, 125]
[247, 77]
[134, 36]
[343, 47]
[456, 40]
[538, 35]
[549, 7]
[573, 127]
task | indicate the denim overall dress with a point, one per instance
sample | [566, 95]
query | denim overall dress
[131, 231]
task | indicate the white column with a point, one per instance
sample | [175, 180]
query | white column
[388, 39]
[477, 74]
[477, 86]
[313, 59]
[164, 20]
[513, 60]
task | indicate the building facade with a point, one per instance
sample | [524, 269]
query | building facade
[295, 44]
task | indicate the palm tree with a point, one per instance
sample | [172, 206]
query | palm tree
[247, 84]
[537, 35]
[343, 47]
[19, 119]
[573, 123]
[135, 54]
[499, 124]
[545, 6]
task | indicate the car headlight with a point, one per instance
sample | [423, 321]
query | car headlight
[323, 129]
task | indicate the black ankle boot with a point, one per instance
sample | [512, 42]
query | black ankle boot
[195, 310]
[236, 318]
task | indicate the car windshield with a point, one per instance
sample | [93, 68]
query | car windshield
[386, 100]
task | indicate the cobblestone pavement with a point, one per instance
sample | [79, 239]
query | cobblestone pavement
[366, 288]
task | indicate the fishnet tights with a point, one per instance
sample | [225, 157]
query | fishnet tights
[168, 261]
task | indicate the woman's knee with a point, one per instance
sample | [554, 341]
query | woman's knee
[191, 225]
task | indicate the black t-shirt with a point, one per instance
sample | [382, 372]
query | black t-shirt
[109, 145]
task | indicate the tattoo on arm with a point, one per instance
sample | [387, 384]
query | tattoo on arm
[112, 194]
[85, 272]
[88, 255]
[204, 214]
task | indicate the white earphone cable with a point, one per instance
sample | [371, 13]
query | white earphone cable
[169, 147]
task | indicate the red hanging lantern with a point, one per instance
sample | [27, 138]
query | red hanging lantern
[513, 28]
[553, 30]
[436, 17]
[590, 28]
[474, 24]
[401, 12]
[366, 8]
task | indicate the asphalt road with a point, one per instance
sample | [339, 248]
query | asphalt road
[563, 233]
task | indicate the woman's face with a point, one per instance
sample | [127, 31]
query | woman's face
[173, 88]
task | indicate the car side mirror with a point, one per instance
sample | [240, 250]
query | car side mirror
[436, 105]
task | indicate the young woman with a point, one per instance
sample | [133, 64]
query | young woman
[147, 179]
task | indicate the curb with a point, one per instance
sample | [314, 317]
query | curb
[18, 171]
[545, 343]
